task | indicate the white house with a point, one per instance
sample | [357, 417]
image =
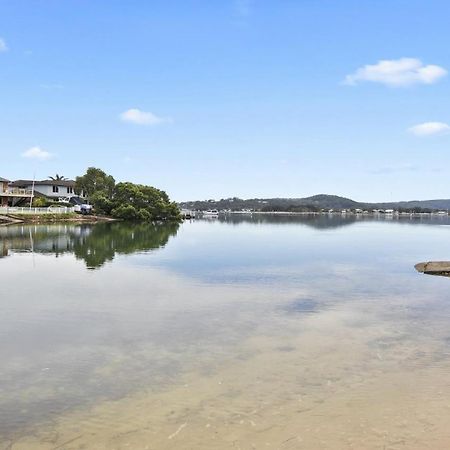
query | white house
[54, 189]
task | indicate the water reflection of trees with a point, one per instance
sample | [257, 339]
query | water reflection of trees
[107, 240]
[94, 244]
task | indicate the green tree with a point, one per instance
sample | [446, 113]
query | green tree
[95, 181]
[102, 204]
[40, 202]
[58, 177]
[139, 202]
[126, 201]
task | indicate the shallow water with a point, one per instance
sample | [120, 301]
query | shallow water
[244, 332]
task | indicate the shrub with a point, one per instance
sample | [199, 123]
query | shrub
[39, 202]
[101, 203]
[143, 214]
[126, 212]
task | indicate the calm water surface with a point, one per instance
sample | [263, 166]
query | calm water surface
[246, 332]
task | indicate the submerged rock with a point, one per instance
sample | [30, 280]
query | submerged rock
[434, 268]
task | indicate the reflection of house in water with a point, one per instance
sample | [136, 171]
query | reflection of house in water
[94, 244]
[54, 239]
[3, 249]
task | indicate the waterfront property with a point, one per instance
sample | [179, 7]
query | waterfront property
[20, 192]
[52, 189]
[13, 195]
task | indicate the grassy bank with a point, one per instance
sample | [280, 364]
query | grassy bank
[52, 218]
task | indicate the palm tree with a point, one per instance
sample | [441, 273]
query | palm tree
[58, 178]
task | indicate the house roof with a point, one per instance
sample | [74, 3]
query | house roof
[20, 183]
[3, 180]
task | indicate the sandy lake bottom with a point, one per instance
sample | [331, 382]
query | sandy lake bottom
[240, 334]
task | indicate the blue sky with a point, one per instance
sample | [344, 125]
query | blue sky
[248, 98]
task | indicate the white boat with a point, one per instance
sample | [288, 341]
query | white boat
[211, 213]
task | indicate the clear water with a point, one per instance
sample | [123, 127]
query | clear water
[245, 332]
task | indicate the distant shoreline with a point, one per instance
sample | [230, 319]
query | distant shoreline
[317, 204]
[334, 213]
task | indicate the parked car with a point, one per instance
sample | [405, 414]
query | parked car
[83, 209]
[80, 205]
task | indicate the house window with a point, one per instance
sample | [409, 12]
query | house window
[55, 189]
[69, 189]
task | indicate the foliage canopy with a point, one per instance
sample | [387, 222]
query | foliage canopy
[95, 181]
[126, 200]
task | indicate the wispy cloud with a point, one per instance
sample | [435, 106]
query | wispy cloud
[429, 129]
[397, 73]
[36, 153]
[394, 168]
[139, 117]
[243, 8]
[3, 46]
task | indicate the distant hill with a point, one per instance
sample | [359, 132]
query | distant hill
[314, 203]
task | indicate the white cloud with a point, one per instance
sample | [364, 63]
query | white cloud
[397, 73]
[37, 153]
[139, 117]
[3, 46]
[429, 128]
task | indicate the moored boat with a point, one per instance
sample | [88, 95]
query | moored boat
[211, 213]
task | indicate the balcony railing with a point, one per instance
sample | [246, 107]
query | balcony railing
[16, 192]
[27, 210]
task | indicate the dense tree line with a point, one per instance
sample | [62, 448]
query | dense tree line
[321, 202]
[126, 200]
